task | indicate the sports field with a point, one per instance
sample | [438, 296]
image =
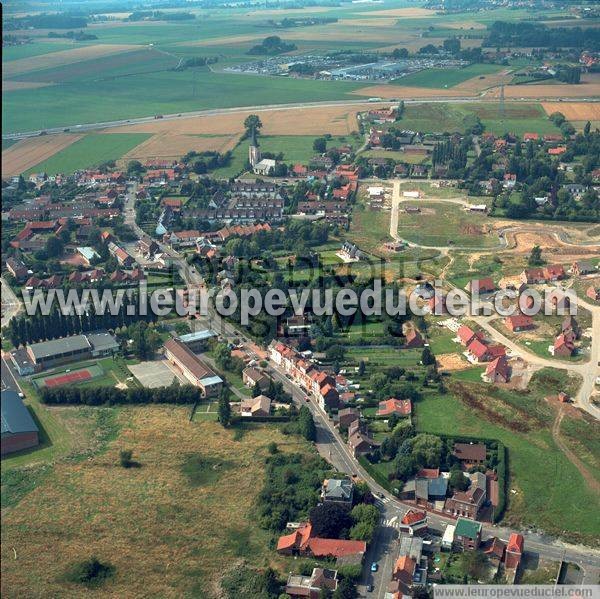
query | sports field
[68, 377]
[91, 150]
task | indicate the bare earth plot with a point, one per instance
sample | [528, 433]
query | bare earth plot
[26, 153]
[58, 59]
[168, 145]
[337, 120]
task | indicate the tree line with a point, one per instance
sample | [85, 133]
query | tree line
[107, 396]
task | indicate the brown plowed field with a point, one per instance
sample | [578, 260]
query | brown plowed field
[26, 153]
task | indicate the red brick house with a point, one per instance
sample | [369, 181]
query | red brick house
[564, 346]
[514, 551]
[302, 542]
[554, 272]
[518, 322]
[481, 286]
[498, 371]
[414, 339]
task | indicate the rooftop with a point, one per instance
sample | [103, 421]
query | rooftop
[15, 417]
[48, 349]
[467, 528]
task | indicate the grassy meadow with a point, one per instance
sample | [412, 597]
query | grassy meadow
[170, 527]
[443, 78]
[89, 151]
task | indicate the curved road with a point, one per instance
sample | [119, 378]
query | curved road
[588, 370]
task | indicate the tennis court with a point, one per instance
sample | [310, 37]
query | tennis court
[68, 377]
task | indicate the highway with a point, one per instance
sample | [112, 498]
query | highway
[83, 127]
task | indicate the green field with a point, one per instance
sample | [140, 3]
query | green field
[517, 119]
[441, 224]
[443, 78]
[156, 93]
[91, 150]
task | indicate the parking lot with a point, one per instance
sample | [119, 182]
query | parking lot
[156, 373]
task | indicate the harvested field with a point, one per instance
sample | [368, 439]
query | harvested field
[394, 91]
[588, 88]
[452, 362]
[28, 152]
[61, 58]
[337, 120]
[574, 111]
[478, 84]
[167, 145]
[405, 13]
[10, 86]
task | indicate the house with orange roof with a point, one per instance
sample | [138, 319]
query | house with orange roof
[466, 335]
[302, 542]
[498, 371]
[564, 346]
[401, 407]
[514, 551]
[413, 521]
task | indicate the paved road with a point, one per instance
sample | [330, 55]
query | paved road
[82, 127]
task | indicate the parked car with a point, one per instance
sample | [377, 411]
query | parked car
[374, 567]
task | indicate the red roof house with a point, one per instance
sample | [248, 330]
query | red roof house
[402, 407]
[518, 322]
[302, 542]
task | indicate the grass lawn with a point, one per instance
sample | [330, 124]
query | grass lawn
[384, 356]
[438, 224]
[443, 78]
[193, 496]
[239, 158]
[91, 150]
[440, 340]
[544, 487]
[296, 148]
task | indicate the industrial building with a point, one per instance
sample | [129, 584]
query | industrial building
[19, 431]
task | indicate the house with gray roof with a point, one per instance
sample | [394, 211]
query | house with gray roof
[337, 490]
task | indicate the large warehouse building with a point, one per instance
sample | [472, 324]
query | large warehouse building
[19, 431]
[194, 370]
[48, 354]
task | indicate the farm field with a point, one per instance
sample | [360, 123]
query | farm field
[166, 145]
[518, 118]
[26, 153]
[574, 111]
[295, 148]
[91, 150]
[443, 78]
[172, 91]
[195, 491]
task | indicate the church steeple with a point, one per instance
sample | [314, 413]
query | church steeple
[253, 150]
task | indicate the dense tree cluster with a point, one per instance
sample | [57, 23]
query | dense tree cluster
[533, 34]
